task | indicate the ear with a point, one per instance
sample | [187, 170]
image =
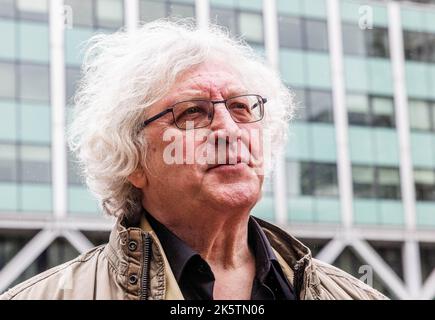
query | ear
[138, 178]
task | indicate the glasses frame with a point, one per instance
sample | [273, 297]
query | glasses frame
[213, 102]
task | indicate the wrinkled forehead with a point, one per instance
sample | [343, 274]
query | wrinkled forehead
[209, 80]
[212, 79]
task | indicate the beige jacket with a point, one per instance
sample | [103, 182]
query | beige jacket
[134, 260]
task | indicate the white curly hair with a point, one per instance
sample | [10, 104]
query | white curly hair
[126, 72]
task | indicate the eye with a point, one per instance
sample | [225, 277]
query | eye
[239, 105]
[190, 112]
[193, 110]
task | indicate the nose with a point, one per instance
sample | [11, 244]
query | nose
[222, 120]
[227, 135]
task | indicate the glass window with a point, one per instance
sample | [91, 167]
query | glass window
[388, 183]
[293, 67]
[392, 253]
[8, 120]
[293, 176]
[35, 164]
[419, 115]
[226, 18]
[318, 70]
[316, 32]
[33, 42]
[358, 109]
[383, 112]
[73, 171]
[7, 80]
[318, 179]
[353, 40]
[8, 169]
[323, 143]
[7, 8]
[72, 76]
[325, 179]
[34, 82]
[301, 105]
[81, 201]
[109, 13]
[427, 254]
[432, 112]
[290, 32]
[82, 12]
[377, 42]
[34, 171]
[190, 2]
[8, 39]
[35, 197]
[152, 10]
[363, 181]
[415, 45]
[8, 201]
[35, 123]
[33, 9]
[32, 5]
[320, 103]
[431, 48]
[424, 184]
[251, 27]
[59, 251]
[307, 178]
[179, 10]
[74, 39]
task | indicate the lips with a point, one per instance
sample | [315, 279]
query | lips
[239, 160]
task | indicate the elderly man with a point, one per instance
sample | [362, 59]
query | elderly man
[167, 128]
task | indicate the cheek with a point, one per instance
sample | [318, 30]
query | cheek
[177, 156]
[253, 138]
[154, 156]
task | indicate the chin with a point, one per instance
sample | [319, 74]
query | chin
[236, 197]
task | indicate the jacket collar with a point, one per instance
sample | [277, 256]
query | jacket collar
[294, 257]
[297, 256]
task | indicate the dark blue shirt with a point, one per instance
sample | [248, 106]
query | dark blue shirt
[196, 279]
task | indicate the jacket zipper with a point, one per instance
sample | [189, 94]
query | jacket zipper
[146, 265]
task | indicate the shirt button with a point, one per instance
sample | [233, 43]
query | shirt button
[132, 245]
[132, 279]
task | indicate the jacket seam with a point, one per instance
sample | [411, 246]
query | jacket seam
[355, 282]
[109, 257]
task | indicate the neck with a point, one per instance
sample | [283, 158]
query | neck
[221, 238]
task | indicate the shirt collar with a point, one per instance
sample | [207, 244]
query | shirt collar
[264, 255]
[180, 253]
[177, 251]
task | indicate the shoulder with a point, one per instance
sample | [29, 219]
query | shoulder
[340, 284]
[51, 283]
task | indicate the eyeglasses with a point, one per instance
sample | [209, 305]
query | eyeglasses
[245, 108]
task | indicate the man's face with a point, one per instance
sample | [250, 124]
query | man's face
[228, 177]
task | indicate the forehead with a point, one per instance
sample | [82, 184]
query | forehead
[211, 79]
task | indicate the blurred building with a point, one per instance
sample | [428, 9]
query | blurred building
[357, 182]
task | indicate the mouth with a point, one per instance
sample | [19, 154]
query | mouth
[239, 163]
[228, 169]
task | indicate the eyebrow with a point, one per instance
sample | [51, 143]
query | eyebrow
[206, 95]
[236, 92]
